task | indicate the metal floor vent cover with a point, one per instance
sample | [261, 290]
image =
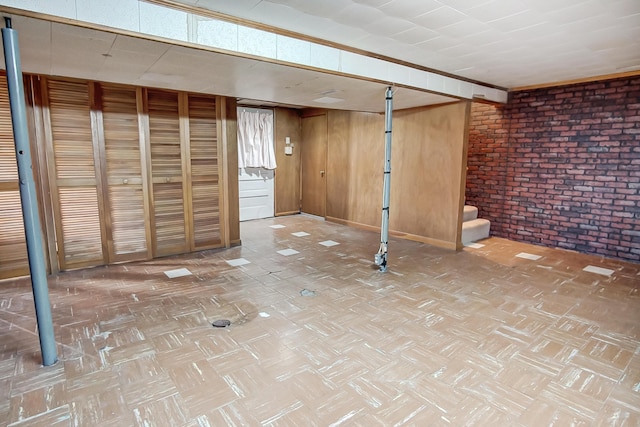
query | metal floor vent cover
[221, 323]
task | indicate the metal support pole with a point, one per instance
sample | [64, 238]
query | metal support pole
[28, 196]
[381, 256]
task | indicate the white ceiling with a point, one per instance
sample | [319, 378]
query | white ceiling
[508, 43]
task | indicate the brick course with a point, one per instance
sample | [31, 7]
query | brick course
[560, 167]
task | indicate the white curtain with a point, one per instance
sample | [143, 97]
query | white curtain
[255, 140]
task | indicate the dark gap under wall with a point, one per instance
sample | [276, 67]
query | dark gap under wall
[560, 167]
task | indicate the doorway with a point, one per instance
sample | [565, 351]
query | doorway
[256, 150]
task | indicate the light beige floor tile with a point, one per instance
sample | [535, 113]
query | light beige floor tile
[479, 337]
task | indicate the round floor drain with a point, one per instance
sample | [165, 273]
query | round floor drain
[221, 323]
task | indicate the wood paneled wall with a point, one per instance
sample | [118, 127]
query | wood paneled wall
[124, 173]
[287, 180]
[355, 161]
[13, 249]
[228, 112]
[428, 170]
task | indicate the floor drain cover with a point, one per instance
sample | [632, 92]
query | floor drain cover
[307, 293]
[221, 323]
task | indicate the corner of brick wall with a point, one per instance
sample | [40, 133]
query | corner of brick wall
[560, 167]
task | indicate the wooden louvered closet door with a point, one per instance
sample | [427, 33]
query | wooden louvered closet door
[13, 247]
[204, 172]
[127, 230]
[169, 231]
[72, 175]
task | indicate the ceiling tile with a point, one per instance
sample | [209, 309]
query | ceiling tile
[415, 34]
[387, 26]
[524, 19]
[409, 8]
[441, 17]
[324, 8]
[372, 3]
[114, 13]
[218, 34]
[466, 26]
[496, 9]
[358, 16]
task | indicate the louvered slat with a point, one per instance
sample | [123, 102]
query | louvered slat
[8, 165]
[72, 141]
[124, 172]
[13, 248]
[166, 172]
[204, 171]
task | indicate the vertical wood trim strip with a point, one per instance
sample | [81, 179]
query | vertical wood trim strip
[326, 164]
[231, 145]
[52, 177]
[100, 167]
[463, 174]
[221, 129]
[185, 150]
[145, 168]
[145, 158]
[38, 148]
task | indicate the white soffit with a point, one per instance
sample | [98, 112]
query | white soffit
[176, 26]
[60, 49]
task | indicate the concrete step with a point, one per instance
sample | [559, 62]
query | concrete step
[469, 213]
[475, 229]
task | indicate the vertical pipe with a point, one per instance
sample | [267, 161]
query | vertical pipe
[28, 197]
[381, 256]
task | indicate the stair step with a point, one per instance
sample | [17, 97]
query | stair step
[476, 229]
[469, 213]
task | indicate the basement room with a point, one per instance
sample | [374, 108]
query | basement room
[320, 213]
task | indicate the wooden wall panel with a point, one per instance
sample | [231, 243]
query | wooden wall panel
[166, 172]
[229, 132]
[13, 249]
[313, 161]
[287, 178]
[427, 164]
[427, 173]
[73, 174]
[355, 165]
[204, 172]
[126, 233]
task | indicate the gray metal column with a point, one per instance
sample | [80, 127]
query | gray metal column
[381, 256]
[28, 196]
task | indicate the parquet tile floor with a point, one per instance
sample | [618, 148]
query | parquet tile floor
[479, 337]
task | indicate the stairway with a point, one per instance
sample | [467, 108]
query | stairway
[473, 228]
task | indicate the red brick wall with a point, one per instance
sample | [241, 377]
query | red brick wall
[561, 167]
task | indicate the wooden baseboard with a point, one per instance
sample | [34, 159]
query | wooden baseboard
[408, 236]
[428, 240]
[287, 213]
[353, 224]
[236, 243]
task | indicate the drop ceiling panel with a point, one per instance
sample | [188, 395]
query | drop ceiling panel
[415, 34]
[404, 8]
